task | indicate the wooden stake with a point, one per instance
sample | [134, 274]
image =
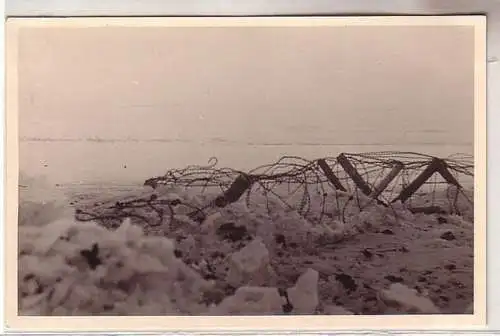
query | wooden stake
[419, 181]
[445, 173]
[398, 166]
[436, 165]
[428, 210]
[353, 174]
[330, 175]
[235, 191]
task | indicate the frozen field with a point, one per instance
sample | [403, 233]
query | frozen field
[237, 260]
[122, 162]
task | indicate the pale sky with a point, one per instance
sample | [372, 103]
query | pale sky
[323, 84]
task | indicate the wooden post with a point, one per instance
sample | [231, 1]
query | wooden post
[445, 173]
[398, 166]
[419, 181]
[235, 191]
[428, 210]
[353, 174]
[151, 182]
[330, 175]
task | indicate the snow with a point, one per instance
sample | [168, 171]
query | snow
[250, 265]
[336, 310]
[249, 301]
[304, 295]
[408, 300]
[240, 260]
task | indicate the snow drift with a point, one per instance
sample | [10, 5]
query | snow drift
[234, 262]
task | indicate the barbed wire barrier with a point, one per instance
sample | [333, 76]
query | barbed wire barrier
[332, 189]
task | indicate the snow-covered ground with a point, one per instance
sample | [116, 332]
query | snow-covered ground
[239, 259]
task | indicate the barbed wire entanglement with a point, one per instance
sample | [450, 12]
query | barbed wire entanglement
[321, 190]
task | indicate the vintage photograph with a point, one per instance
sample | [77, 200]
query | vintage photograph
[224, 169]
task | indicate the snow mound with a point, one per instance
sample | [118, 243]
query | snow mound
[69, 268]
[73, 268]
[259, 258]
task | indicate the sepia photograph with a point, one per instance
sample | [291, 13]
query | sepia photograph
[225, 167]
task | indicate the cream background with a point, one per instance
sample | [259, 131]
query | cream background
[247, 323]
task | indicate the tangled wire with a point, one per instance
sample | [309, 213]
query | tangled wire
[318, 190]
